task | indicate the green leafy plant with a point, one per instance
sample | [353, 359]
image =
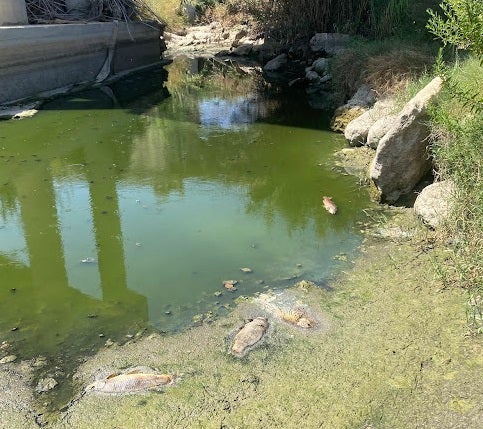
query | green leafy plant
[462, 25]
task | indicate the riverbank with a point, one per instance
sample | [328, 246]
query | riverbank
[394, 354]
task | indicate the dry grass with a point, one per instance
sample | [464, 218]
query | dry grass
[387, 67]
[391, 72]
[54, 11]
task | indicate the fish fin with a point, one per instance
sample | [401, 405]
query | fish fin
[114, 374]
[134, 371]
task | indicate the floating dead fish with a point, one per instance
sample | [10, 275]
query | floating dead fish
[131, 382]
[246, 270]
[230, 284]
[88, 260]
[249, 335]
[329, 205]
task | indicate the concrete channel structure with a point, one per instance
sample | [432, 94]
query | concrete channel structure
[36, 60]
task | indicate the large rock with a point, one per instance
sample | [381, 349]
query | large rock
[364, 96]
[355, 107]
[378, 130]
[435, 203]
[330, 43]
[276, 63]
[321, 66]
[401, 158]
[357, 130]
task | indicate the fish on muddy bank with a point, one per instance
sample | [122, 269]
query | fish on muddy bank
[131, 382]
[298, 317]
[329, 205]
[249, 335]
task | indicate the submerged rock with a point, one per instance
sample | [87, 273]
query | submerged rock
[8, 359]
[249, 335]
[46, 384]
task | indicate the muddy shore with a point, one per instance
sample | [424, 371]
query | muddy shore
[392, 354]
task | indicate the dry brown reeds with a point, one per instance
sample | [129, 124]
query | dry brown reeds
[391, 72]
[386, 69]
[55, 11]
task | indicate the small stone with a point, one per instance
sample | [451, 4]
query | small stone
[217, 293]
[109, 343]
[241, 298]
[101, 335]
[15, 328]
[8, 359]
[198, 319]
[299, 265]
[46, 384]
[130, 336]
[39, 362]
[5, 345]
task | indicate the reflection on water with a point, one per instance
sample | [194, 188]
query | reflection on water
[119, 211]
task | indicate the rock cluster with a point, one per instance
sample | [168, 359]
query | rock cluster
[401, 160]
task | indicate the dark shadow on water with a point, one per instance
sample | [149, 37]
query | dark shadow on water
[138, 92]
[186, 79]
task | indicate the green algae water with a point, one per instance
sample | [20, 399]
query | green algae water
[125, 208]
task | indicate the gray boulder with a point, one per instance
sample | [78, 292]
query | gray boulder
[401, 158]
[378, 130]
[435, 203]
[276, 63]
[357, 130]
[330, 43]
[364, 97]
[355, 107]
[312, 76]
[321, 66]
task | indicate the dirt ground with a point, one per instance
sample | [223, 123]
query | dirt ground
[390, 350]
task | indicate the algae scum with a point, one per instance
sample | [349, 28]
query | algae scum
[125, 208]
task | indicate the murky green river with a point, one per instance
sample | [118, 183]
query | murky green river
[125, 208]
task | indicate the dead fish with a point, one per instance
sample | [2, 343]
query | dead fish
[130, 382]
[249, 335]
[329, 205]
[88, 260]
[230, 284]
[246, 270]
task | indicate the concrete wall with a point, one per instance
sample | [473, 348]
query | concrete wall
[13, 12]
[40, 58]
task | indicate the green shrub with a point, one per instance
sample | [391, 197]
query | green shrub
[457, 146]
[462, 26]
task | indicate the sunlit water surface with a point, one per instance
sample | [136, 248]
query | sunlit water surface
[120, 212]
